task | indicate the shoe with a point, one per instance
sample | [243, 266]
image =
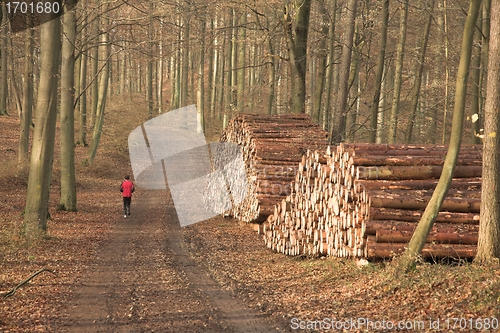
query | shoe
[125, 216]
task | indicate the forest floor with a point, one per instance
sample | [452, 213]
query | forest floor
[146, 274]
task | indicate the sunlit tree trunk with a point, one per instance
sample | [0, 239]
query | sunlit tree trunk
[104, 52]
[374, 119]
[488, 247]
[200, 94]
[42, 154]
[398, 75]
[337, 133]
[149, 89]
[27, 108]
[415, 93]
[417, 242]
[4, 30]
[68, 176]
[82, 134]
[160, 70]
[321, 67]
[94, 61]
[328, 110]
[297, 15]
[241, 86]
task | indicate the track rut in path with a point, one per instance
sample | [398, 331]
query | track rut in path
[144, 280]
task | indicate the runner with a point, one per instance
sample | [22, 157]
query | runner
[127, 188]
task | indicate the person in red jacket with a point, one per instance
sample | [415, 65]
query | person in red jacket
[127, 188]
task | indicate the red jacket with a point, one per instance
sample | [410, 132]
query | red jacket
[127, 187]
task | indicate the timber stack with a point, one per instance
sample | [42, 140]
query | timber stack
[272, 146]
[364, 200]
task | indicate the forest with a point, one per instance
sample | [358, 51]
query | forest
[76, 77]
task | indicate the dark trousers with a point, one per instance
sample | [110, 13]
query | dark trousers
[126, 205]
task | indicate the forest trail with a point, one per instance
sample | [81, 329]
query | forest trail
[144, 280]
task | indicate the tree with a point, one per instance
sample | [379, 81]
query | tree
[40, 173]
[488, 247]
[297, 15]
[380, 71]
[415, 93]
[4, 30]
[68, 173]
[417, 242]
[27, 106]
[403, 22]
[338, 129]
[322, 56]
[104, 53]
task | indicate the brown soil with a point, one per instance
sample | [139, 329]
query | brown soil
[144, 280]
[146, 274]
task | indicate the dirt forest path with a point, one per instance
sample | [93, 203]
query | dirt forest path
[144, 280]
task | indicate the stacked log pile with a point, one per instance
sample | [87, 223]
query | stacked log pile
[364, 200]
[272, 146]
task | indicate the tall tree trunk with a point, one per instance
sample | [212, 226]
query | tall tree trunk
[104, 51]
[160, 71]
[184, 74]
[398, 75]
[488, 247]
[4, 30]
[328, 110]
[337, 133]
[68, 175]
[381, 110]
[415, 93]
[242, 36]
[214, 88]
[271, 97]
[94, 61]
[82, 135]
[27, 108]
[42, 154]
[321, 67]
[380, 72]
[200, 94]
[476, 112]
[149, 90]
[417, 242]
[297, 15]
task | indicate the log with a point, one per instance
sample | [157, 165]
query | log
[376, 250]
[350, 202]
[380, 213]
[389, 172]
[446, 237]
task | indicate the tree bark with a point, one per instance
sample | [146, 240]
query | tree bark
[4, 29]
[27, 108]
[104, 51]
[241, 86]
[94, 61]
[417, 242]
[200, 96]
[337, 133]
[488, 248]
[297, 15]
[149, 89]
[321, 64]
[415, 93]
[40, 174]
[68, 173]
[328, 110]
[380, 72]
[398, 75]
